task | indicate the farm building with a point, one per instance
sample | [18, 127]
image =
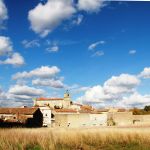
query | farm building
[29, 117]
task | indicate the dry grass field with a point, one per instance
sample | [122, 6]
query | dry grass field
[75, 139]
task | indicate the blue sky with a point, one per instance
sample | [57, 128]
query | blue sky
[100, 51]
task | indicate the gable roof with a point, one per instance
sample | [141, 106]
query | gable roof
[48, 99]
[25, 111]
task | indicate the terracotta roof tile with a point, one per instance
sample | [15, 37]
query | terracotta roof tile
[25, 111]
[47, 99]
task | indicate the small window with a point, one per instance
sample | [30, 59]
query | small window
[45, 114]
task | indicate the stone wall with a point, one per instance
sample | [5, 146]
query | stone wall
[141, 120]
[121, 118]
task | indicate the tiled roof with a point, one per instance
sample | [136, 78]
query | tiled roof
[25, 111]
[48, 99]
[66, 110]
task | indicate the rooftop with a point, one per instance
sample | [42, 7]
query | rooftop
[25, 111]
[66, 110]
[48, 99]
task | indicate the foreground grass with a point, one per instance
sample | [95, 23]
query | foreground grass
[75, 139]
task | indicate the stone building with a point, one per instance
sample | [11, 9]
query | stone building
[47, 115]
[54, 102]
[29, 117]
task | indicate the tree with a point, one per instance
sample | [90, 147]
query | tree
[147, 108]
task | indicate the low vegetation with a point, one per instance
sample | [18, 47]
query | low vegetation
[145, 111]
[109, 138]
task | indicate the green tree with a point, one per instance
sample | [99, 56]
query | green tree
[147, 108]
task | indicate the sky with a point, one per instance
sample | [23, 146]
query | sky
[98, 50]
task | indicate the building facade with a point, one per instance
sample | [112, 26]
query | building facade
[54, 103]
[29, 117]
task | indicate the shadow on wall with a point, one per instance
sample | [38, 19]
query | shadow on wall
[35, 121]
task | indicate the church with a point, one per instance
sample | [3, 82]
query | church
[54, 103]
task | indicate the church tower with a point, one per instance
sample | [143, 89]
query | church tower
[67, 100]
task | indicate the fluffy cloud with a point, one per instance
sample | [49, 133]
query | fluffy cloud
[19, 95]
[48, 82]
[3, 12]
[94, 45]
[30, 44]
[114, 89]
[16, 60]
[25, 91]
[42, 72]
[145, 73]
[94, 95]
[45, 18]
[122, 84]
[6, 49]
[5, 45]
[135, 99]
[90, 5]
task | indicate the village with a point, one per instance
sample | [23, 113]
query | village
[63, 112]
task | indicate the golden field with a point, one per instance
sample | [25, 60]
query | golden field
[75, 139]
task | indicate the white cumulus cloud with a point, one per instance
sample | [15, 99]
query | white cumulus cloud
[145, 73]
[5, 45]
[91, 5]
[113, 89]
[55, 83]
[94, 94]
[25, 91]
[121, 84]
[45, 18]
[135, 99]
[15, 59]
[3, 12]
[42, 72]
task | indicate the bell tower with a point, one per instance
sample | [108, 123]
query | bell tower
[66, 95]
[67, 99]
